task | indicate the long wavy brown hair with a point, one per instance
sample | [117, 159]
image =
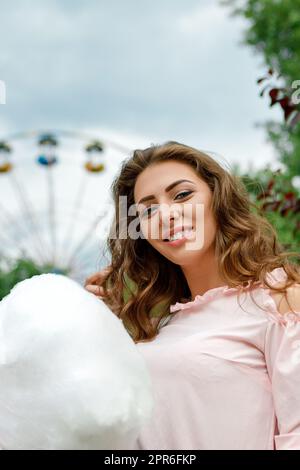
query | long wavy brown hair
[246, 244]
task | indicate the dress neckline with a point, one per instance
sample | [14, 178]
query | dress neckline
[209, 295]
[276, 274]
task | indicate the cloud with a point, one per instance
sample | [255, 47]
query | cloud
[162, 70]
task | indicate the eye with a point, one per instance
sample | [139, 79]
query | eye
[185, 193]
[147, 211]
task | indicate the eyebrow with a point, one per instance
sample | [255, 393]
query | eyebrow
[168, 188]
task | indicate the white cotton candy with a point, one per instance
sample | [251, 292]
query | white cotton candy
[71, 376]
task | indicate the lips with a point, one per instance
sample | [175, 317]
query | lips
[167, 235]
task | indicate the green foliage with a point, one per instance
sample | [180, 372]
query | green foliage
[274, 32]
[277, 200]
[287, 146]
[19, 270]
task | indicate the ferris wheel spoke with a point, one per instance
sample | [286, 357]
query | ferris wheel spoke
[14, 251]
[81, 262]
[85, 239]
[5, 242]
[77, 269]
[19, 241]
[51, 212]
[76, 208]
[28, 212]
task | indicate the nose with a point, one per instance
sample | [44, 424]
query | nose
[169, 216]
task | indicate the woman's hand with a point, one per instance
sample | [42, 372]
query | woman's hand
[94, 282]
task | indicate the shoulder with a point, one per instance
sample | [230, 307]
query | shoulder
[280, 306]
[288, 303]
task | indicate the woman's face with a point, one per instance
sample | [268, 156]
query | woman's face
[184, 208]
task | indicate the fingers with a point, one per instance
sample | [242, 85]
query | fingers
[97, 277]
[91, 279]
[93, 283]
[97, 290]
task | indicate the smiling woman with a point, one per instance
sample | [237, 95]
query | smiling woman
[227, 373]
[175, 188]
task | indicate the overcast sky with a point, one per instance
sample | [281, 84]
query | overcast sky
[136, 72]
[140, 71]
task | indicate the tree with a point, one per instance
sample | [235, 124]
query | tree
[274, 32]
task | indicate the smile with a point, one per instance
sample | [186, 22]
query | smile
[179, 237]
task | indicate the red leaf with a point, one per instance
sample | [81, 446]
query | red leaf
[286, 105]
[284, 102]
[288, 111]
[289, 196]
[285, 210]
[274, 94]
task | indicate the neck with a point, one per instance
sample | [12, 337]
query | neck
[204, 275]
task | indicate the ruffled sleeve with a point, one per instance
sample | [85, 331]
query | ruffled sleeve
[282, 353]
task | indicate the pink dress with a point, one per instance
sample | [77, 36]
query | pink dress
[225, 376]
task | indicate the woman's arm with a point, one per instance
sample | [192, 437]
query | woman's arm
[282, 352]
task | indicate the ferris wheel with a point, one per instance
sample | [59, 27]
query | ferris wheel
[55, 206]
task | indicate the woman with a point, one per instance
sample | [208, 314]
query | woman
[223, 345]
